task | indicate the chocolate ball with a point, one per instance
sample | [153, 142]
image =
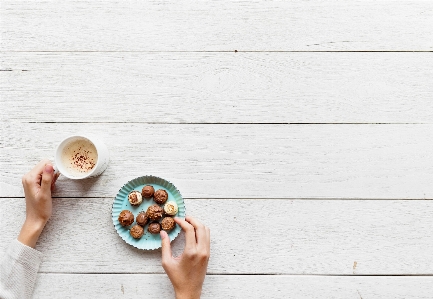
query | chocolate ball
[171, 208]
[136, 231]
[141, 219]
[135, 198]
[154, 212]
[154, 228]
[160, 196]
[168, 223]
[126, 218]
[147, 191]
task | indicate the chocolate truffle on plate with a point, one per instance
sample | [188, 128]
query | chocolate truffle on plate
[170, 208]
[160, 196]
[154, 228]
[135, 198]
[136, 231]
[141, 219]
[154, 212]
[147, 191]
[168, 223]
[126, 218]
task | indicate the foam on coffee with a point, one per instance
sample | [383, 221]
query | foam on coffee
[79, 157]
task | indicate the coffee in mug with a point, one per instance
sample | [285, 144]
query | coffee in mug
[79, 157]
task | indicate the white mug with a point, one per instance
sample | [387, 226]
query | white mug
[81, 156]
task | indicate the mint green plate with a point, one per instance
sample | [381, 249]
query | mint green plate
[148, 241]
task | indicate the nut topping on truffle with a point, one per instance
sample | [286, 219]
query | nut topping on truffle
[160, 196]
[168, 223]
[154, 212]
[170, 208]
[135, 198]
[126, 218]
[136, 231]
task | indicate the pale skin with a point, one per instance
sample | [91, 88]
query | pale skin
[37, 184]
[186, 272]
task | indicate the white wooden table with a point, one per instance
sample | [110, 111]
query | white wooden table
[299, 131]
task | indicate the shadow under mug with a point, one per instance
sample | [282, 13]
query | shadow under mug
[101, 153]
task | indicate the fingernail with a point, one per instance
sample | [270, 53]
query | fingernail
[163, 235]
[48, 168]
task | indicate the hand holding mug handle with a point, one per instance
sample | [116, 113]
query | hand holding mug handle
[37, 184]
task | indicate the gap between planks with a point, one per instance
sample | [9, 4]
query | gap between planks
[233, 123]
[245, 198]
[230, 51]
[243, 274]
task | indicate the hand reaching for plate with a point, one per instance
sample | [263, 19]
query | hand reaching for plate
[187, 271]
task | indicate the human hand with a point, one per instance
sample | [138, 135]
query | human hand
[187, 271]
[37, 184]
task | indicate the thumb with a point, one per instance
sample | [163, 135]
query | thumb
[166, 248]
[47, 178]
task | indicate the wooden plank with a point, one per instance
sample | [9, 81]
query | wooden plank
[385, 237]
[218, 87]
[238, 161]
[213, 26]
[235, 286]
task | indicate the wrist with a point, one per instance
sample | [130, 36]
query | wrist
[30, 232]
[188, 295]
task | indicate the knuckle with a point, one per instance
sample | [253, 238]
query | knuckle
[203, 256]
[46, 179]
[191, 254]
[164, 264]
[25, 179]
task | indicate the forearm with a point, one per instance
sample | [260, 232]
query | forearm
[20, 264]
[30, 232]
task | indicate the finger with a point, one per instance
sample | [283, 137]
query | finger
[39, 168]
[35, 175]
[197, 224]
[32, 179]
[166, 249]
[47, 178]
[200, 230]
[190, 240]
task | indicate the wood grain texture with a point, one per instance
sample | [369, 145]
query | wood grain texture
[247, 237]
[238, 161]
[236, 286]
[162, 85]
[217, 87]
[215, 26]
